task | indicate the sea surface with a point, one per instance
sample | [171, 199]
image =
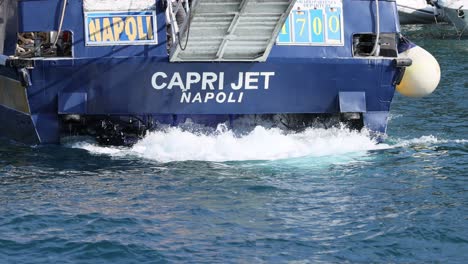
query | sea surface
[319, 196]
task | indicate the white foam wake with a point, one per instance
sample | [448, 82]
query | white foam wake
[427, 140]
[175, 144]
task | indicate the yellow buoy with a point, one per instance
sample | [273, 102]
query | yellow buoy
[422, 77]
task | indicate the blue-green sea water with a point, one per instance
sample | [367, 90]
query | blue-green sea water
[332, 196]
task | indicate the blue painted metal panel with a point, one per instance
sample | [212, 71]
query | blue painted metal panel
[301, 25]
[72, 102]
[43, 15]
[9, 72]
[352, 102]
[333, 20]
[318, 26]
[376, 121]
[3, 60]
[285, 33]
[311, 86]
[358, 17]
[47, 127]
[74, 21]
[17, 126]
[120, 28]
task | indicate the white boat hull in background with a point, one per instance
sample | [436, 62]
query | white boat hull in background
[456, 11]
[416, 12]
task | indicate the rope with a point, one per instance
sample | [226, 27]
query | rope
[61, 22]
[377, 35]
[188, 31]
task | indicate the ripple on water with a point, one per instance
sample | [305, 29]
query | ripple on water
[314, 197]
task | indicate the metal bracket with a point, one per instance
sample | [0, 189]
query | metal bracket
[24, 77]
[19, 63]
[72, 102]
[352, 102]
[401, 63]
[3, 60]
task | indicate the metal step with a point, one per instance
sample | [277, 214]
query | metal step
[230, 30]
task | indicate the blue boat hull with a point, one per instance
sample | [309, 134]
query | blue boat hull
[141, 86]
[100, 83]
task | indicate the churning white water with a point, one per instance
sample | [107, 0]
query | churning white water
[176, 144]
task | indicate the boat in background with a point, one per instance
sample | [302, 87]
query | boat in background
[456, 11]
[418, 12]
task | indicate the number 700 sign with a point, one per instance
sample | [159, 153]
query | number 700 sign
[316, 26]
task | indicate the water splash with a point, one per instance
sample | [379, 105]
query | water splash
[176, 144]
[427, 140]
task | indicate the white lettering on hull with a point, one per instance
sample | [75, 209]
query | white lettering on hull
[206, 87]
[220, 98]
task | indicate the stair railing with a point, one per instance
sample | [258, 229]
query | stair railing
[176, 11]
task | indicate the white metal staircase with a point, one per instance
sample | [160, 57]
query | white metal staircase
[229, 30]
